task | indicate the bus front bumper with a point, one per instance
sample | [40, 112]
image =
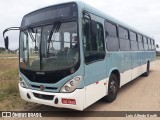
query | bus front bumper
[74, 100]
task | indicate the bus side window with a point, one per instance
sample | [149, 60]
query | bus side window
[124, 39]
[145, 43]
[93, 41]
[112, 37]
[149, 43]
[152, 44]
[134, 43]
[140, 42]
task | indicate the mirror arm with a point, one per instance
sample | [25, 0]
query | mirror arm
[87, 14]
[11, 28]
[6, 39]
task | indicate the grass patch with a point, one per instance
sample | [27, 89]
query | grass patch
[8, 55]
[9, 93]
[9, 89]
[7, 65]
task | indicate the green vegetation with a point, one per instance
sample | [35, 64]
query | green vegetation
[9, 93]
[2, 49]
[8, 55]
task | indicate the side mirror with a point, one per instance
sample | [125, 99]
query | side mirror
[6, 39]
[6, 42]
[157, 46]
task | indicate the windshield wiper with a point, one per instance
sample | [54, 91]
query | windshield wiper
[30, 33]
[55, 28]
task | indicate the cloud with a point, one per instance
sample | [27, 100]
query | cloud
[143, 15]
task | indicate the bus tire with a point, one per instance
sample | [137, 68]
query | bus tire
[146, 74]
[112, 89]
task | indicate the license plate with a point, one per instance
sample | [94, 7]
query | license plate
[68, 101]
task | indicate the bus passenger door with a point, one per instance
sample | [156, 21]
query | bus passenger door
[95, 63]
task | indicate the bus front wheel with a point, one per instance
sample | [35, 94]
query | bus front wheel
[112, 89]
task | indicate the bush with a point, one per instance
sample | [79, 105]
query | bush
[158, 53]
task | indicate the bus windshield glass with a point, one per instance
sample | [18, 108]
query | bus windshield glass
[51, 47]
[63, 11]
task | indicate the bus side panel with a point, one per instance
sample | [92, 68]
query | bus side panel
[95, 91]
[144, 60]
[95, 82]
[135, 65]
[114, 60]
[121, 61]
[153, 58]
[126, 70]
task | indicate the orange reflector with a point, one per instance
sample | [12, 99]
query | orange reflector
[68, 101]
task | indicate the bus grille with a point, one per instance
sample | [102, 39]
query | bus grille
[46, 88]
[44, 97]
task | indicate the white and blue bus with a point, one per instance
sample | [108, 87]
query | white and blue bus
[71, 55]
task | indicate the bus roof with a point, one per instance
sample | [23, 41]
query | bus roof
[100, 14]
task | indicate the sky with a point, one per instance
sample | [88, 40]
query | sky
[143, 15]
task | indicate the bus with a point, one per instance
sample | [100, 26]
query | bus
[72, 55]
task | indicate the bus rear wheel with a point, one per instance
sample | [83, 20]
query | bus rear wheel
[147, 71]
[112, 89]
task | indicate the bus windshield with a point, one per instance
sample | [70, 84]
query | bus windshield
[63, 11]
[51, 47]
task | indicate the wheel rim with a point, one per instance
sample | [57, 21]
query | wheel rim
[113, 88]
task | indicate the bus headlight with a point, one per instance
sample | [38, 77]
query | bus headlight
[71, 85]
[23, 83]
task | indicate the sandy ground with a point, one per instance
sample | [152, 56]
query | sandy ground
[141, 94]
